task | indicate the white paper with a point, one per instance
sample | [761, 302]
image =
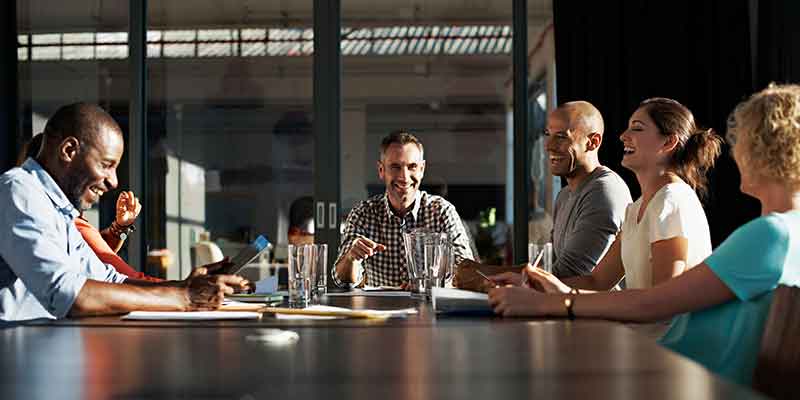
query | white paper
[459, 294]
[190, 315]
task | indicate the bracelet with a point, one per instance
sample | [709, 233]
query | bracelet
[121, 232]
[574, 291]
[569, 302]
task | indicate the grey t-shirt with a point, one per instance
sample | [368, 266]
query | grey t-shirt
[586, 221]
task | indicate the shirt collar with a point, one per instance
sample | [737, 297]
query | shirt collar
[414, 210]
[50, 186]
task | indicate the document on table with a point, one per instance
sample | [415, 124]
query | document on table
[329, 312]
[189, 315]
[457, 301]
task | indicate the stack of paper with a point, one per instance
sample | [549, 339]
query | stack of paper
[457, 301]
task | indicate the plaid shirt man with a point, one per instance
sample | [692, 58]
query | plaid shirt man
[374, 219]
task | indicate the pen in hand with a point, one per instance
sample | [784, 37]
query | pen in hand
[487, 278]
[524, 282]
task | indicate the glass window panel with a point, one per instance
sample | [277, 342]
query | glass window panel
[254, 34]
[77, 52]
[180, 36]
[543, 185]
[46, 38]
[214, 34]
[46, 53]
[154, 36]
[253, 49]
[231, 140]
[112, 51]
[179, 50]
[59, 73]
[85, 37]
[153, 50]
[214, 49]
[112, 37]
[455, 104]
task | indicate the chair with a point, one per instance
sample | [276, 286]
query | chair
[778, 366]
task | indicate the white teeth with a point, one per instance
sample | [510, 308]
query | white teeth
[628, 150]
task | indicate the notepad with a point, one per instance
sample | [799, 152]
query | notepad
[457, 301]
[189, 315]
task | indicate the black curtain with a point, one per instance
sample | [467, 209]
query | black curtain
[10, 141]
[778, 38]
[618, 53]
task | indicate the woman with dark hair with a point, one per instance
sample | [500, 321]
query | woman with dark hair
[720, 306]
[665, 231]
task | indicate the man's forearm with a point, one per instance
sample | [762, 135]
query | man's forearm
[102, 298]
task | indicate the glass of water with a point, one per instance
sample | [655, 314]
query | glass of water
[546, 263]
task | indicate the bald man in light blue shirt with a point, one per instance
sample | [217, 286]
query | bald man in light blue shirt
[46, 268]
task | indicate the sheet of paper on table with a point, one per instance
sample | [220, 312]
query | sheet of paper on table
[190, 315]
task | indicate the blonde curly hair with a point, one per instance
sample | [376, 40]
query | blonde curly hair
[768, 127]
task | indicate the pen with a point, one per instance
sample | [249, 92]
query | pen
[535, 263]
[487, 278]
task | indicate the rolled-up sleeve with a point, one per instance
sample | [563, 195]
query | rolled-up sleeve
[457, 233]
[34, 246]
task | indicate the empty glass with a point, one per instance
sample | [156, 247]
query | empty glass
[438, 265]
[415, 241]
[546, 263]
[302, 261]
[319, 276]
[308, 279]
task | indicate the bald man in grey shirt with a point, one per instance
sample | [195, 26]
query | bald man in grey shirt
[588, 211]
[586, 221]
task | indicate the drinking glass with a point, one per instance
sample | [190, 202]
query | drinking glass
[301, 266]
[546, 263]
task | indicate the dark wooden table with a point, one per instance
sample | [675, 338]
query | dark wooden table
[422, 357]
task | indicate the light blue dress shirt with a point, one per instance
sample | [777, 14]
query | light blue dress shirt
[752, 262]
[44, 261]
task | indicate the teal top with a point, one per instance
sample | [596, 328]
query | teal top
[752, 262]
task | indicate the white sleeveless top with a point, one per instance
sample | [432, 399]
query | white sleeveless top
[674, 211]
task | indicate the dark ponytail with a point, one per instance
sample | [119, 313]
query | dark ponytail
[697, 149]
[697, 157]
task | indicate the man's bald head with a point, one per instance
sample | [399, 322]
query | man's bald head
[81, 120]
[573, 137]
[582, 117]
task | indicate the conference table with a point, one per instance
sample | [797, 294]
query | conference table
[423, 356]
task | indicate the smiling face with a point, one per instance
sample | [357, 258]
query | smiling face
[643, 144]
[563, 144]
[401, 169]
[92, 170]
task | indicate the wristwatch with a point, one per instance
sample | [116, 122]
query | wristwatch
[121, 232]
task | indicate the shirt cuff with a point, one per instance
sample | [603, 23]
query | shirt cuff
[65, 296]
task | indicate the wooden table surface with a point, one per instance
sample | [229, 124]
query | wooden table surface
[421, 357]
